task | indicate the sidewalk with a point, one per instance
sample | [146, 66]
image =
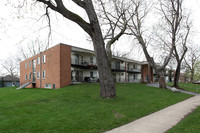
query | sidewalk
[161, 121]
[168, 87]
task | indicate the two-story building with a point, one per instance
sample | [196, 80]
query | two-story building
[63, 64]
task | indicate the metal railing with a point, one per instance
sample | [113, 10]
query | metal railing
[133, 70]
[118, 67]
[84, 79]
[85, 62]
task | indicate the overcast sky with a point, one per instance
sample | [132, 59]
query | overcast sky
[21, 29]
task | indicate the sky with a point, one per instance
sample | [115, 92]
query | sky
[18, 28]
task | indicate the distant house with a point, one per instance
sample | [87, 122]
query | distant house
[9, 81]
[183, 78]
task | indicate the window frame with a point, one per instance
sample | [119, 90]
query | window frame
[44, 58]
[26, 76]
[26, 65]
[38, 75]
[43, 74]
[38, 60]
[29, 64]
[91, 74]
[29, 76]
[134, 66]
[135, 76]
[47, 86]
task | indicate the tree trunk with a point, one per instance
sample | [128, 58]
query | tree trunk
[106, 81]
[162, 83]
[107, 84]
[192, 76]
[109, 55]
[177, 75]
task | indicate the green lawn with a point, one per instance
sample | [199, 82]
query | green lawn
[188, 125]
[189, 87]
[79, 108]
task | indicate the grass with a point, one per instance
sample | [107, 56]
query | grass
[188, 125]
[79, 108]
[189, 87]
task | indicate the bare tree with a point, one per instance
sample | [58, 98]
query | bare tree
[11, 67]
[112, 14]
[179, 58]
[191, 60]
[176, 29]
[92, 28]
[33, 48]
[136, 27]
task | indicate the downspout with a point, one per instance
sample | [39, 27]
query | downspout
[40, 71]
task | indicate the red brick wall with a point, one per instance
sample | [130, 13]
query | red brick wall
[52, 67]
[57, 67]
[28, 70]
[65, 65]
[144, 73]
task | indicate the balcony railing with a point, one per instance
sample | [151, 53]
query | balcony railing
[96, 79]
[84, 79]
[134, 70]
[115, 67]
[86, 62]
[130, 80]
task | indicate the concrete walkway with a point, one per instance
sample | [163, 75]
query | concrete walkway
[161, 121]
[168, 87]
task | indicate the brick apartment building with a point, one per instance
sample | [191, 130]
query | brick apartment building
[62, 65]
[49, 69]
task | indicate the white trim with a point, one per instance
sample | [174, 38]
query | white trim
[44, 58]
[43, 74]
[38, 60]
[38, 75]
[26, 76]
[26, 65]
[47, 86]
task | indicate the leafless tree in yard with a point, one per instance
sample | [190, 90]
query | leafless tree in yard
[191, 60]
[92, 28]
[176, 31]
[137, 29]
[113, 20]
[11, 67]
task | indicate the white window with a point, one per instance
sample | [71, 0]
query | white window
[95, 73]
[47, 85]
[38, 75]
[134, 66]
[135, 76]
[26, 77]
[43, 74]
[91, 60]
[30, 76]
[26, 65]
[29, 63]
[43, 58]
[38, 60]
[91, 74]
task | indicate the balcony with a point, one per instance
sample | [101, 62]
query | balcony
[84, 64]
[132, 70]
[116, 68]
[80, 79]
